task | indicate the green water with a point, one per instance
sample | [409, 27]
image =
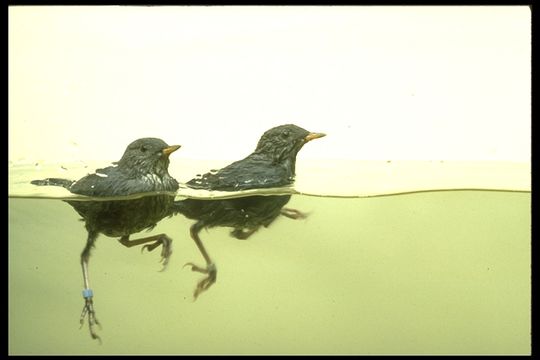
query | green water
[426, 273]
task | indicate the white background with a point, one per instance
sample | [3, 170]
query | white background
[407, 83]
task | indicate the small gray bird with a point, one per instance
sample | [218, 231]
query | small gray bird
[272, 164]
[142, 169]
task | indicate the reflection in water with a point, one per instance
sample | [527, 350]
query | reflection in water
[143, 168]
[272, 164]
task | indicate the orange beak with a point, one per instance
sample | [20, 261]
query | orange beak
[170, 149]
[312, 136]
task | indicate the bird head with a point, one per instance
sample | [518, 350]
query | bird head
[147, 155]
[282, 143]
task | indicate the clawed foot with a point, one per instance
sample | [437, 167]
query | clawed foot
[293, 213]
[206, 282]
[166, 250]
[88, 309]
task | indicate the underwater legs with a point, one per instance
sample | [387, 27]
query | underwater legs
[161, 239]
[210, 268]
[88, 294]
[293, 213]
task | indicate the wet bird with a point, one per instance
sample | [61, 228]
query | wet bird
[142, 169]
[272, 164]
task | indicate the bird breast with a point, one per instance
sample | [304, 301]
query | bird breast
[156, 182]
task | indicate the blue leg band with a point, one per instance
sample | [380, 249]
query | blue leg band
[87, 293]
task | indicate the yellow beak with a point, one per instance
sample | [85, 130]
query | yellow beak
[170, 149]
[312, 136]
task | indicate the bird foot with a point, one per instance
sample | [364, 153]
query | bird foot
[166, 249]
[293, 213]
[88, 309]
[205, 283]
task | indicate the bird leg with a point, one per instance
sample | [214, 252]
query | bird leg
[210, 269]
[88, 294]
[293, 213]
[161, 239]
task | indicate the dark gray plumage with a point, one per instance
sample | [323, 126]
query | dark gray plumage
[272, 164]
[142, 169]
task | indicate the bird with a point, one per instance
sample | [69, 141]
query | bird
[142, 169]
[271, 164]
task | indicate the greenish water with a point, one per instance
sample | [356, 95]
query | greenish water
[425, 273]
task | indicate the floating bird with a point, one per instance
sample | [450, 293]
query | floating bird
[271, 165]
[142, 169]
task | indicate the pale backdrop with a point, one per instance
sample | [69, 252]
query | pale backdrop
[410, 83]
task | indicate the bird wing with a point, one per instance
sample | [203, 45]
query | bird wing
[109, 181]
[253, 172]
[99, 183]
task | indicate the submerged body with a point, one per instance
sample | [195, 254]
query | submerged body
[245, 214]
[120, 218]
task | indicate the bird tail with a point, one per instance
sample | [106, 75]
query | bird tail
[65, 183]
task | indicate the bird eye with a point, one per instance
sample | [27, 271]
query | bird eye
[144, 148]
[285, 133]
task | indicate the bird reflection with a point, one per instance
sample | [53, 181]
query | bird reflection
[272, 164]
[142, 169]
